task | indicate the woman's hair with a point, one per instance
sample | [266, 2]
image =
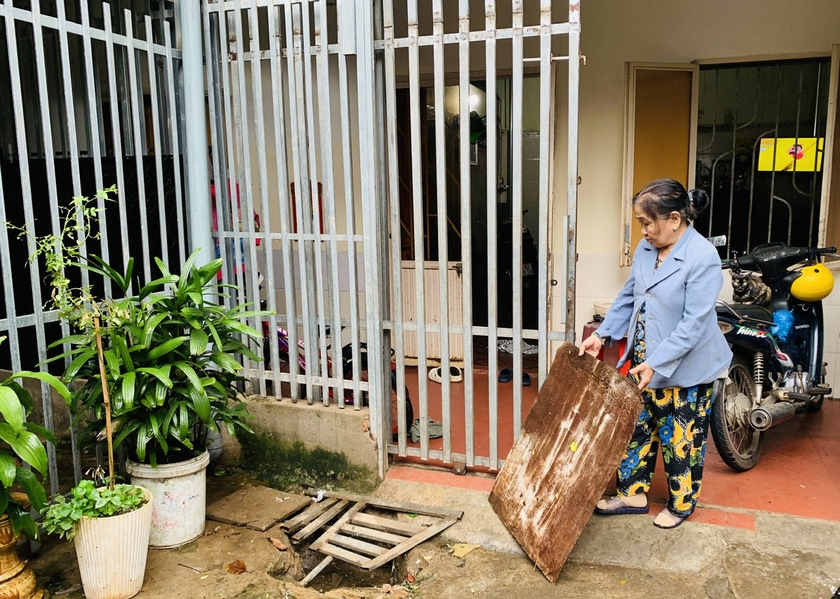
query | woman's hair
[659, 198]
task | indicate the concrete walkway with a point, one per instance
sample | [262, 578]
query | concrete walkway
[720, 554]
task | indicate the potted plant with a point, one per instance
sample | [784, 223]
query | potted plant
[110, 526]
[157, 367]
[20, 488]
[170, 355]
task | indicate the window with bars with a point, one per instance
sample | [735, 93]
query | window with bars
[760, 143]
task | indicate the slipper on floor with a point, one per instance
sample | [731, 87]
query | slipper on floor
[455, 374]
[526, 379]
[505, 376]
[616, 506]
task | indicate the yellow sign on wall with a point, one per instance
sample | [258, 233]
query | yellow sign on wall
[805, 152]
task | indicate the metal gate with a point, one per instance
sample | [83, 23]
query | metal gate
[326, 183]
[89, 98]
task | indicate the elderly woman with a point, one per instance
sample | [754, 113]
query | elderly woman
[667, 309]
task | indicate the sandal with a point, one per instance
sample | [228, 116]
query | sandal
[613, 506]
[505, 376]
[667, 519]
[455, 374]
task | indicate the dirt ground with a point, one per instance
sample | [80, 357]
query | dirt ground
[207, 567]
[783, 557]
[431, 571]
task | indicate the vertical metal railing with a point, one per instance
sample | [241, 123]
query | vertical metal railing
[332, 251]
[63, 135]
[419, 51]
[752, 110]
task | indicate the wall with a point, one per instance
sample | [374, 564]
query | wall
[614, 33]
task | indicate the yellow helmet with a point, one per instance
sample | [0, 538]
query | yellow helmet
[813, 283]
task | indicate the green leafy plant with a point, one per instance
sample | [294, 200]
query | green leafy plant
[170, 364]
[63, 515]
[161, 362]
[22, 443]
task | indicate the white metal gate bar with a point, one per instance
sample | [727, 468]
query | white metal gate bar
[466, 211]
[492, 245]
[572, 181]
[45, 90]
[442, 225]
[516, 188]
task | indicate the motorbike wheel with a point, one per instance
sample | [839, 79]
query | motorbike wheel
[409, 409]
[738, 443]
[286, 388]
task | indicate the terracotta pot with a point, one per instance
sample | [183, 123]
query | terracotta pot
[16, 580]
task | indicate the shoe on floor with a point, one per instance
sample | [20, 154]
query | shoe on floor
[455, 374]
[505, 376]
[613, 506]
[526, 379]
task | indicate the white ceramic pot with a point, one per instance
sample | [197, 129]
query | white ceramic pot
[112, 552]
[180, 499]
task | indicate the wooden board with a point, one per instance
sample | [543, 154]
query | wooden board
[572, 442]
[255, 507]
[308, 515]
[343, 539]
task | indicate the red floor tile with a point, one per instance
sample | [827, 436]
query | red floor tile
[798, 472]
[724, 518]
[436, 477]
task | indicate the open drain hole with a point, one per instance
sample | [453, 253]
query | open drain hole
[300, 561]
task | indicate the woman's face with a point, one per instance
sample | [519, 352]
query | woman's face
[659, 232]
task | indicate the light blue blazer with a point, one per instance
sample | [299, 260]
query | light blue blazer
[684, 345]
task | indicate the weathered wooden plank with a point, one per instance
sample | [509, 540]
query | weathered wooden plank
[324, 538]
[372, 535]
[357, 545]
[386, 524]
[397, 506]
[320, 521]
[571, 444]
[256, 507]
[409, 544]
[316, 570]
[342, 554]
[309, 514]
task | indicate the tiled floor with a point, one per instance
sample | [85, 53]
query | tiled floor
[798, 472]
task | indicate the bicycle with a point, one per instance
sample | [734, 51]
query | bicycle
[346, 371]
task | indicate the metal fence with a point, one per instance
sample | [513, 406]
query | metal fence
[306, 103]
[322, 204]
[89, 98]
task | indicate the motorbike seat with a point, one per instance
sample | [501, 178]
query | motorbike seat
[758, 314]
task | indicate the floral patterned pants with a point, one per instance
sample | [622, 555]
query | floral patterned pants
[678, 420]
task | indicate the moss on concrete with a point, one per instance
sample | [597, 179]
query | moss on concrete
[293, 466]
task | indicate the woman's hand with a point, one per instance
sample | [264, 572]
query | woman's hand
[645, 373]
[591, 345]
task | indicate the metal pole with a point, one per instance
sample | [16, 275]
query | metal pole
[195, 148]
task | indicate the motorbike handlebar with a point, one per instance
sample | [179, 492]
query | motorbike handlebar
[828, 250]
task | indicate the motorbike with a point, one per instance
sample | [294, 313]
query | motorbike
[530, 282]
[777, 368]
